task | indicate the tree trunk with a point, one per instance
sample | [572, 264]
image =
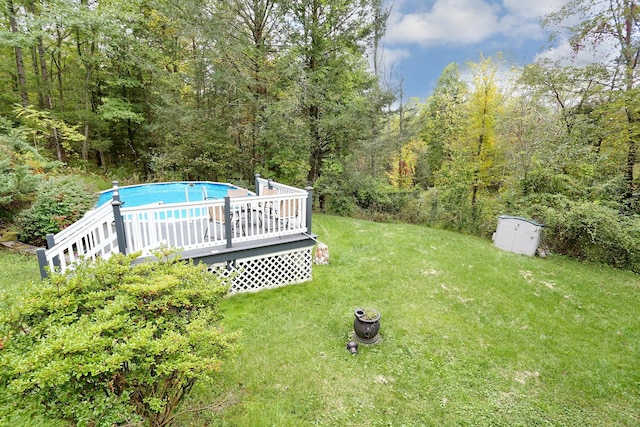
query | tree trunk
[22, 80]
[313, 111]
[36, 73]
[45, 90]
[631, 61]
[44, 75]
[632, 154]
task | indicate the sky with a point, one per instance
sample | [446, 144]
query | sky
[424, 36]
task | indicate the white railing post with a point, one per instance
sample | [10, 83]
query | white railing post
[51, 242]
[257, 184]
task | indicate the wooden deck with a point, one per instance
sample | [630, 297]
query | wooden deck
[210, 231]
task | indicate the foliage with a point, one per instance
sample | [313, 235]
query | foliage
[59, 202]
[403, 166]
[470, 172]
[21, 168]
[368, 313]
[113, 342]
[449, 206]
[334, 189]
[338, 98]
[587, 230]
[347, 191]
[42, 125]
[444, 120]
[614, 25]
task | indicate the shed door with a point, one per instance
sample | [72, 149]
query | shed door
[506, 233]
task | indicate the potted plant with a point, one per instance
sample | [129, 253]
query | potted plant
[366, 325]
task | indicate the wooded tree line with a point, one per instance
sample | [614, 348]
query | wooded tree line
[223, 89]
[194, 89]
[555, 143]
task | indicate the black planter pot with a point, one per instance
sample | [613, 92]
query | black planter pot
[366, 325]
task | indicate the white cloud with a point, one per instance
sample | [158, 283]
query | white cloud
[392, 55]
[463, 22]
[516, 28]
[564, 54]
[432, 33]
[448, 21]
[532, 8]
[388, 58]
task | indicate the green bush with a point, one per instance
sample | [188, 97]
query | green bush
[60, 201]
[417, 208]
[21, 169]
[449, 208]
[587, 230]
[362, 196]
[114, 342]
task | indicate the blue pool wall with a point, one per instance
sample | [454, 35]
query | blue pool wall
[167, 193]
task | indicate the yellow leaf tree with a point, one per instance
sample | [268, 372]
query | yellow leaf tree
[473, 166]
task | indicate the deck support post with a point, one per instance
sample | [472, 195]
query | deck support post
[227, 220]
[117, 217]
[309, 207]
[42, 262]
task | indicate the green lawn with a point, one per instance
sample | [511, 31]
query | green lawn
[471, 336]
[17, 271]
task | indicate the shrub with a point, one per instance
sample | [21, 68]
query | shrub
[449, 208]
[587, 230]
[417, 208]
[363, 196]
[21, 169]
[112, 342]
[60, 201]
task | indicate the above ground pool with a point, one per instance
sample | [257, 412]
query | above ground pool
[168, 192]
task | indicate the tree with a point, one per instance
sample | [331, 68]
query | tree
[256, 62]
[443, 118]
[329, 38]
[21, 169]
[531, 133]
[220, 89]
[617, 22]
[114, 342]
[585, 154]
[473, 166]
[484, 105]
[20, 71]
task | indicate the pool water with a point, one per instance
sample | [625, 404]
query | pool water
[170, 192]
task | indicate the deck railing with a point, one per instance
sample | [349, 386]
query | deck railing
[93, 236]
[215, 223]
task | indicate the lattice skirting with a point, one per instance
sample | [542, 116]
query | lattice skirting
[267, 271]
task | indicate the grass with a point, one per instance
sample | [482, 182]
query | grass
[471, 335]
[19, 270]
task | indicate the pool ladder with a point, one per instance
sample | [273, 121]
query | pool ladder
[205, 196]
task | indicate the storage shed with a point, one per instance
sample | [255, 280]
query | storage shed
[518, 235]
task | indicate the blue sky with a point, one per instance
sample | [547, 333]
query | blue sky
[424, 36]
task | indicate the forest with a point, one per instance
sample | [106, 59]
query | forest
[162, 90]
